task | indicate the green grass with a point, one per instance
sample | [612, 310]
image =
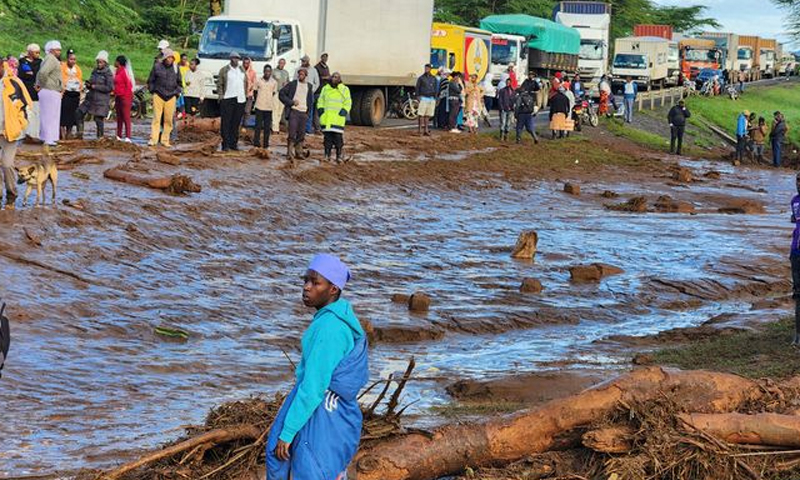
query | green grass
[640, 137]
[754, 354]
[763, 101]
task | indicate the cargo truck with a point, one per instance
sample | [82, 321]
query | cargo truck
[461, 49]
[750, 56]
[728, 45]
[767, 55]
[379, 46]
[551, 47]
[697, 54]
[643, 59]
[593, 21]
[674, 57]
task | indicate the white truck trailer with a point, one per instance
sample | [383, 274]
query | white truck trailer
[593, 22]
[644, 59]
[379, 46]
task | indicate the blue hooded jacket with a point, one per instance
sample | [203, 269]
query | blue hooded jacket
[741, 125]
[321, 417]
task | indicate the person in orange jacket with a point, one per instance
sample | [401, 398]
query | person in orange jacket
[14, 104]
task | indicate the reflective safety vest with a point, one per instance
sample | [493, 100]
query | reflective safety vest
[330, 105]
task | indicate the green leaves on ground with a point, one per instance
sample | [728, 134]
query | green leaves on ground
[172, 333]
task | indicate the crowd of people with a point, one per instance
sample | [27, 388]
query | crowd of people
[752, 133]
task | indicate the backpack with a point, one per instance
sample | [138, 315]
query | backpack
[526, 102]
[5, 337]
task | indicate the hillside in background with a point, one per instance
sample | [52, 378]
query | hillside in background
[122, 27]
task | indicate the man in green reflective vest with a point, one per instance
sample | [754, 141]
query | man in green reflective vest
[333, 106]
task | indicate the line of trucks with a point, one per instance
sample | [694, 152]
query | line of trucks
[379, 46]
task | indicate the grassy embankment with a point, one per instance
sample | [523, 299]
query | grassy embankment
[650, 130]
[763, 352]
[86, 27]
[763, 101]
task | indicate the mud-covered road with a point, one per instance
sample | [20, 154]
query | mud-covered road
[88, 381]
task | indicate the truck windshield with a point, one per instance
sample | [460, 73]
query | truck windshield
[674, 56]
[624, 60]
[504, 52]
[699, 55]
[591, 50]
[438, 58]
[744, 54]
[248, 39]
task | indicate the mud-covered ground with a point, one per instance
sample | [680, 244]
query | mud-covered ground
[89, 382]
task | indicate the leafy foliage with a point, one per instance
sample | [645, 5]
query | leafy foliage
[625, 13]
[792, 8]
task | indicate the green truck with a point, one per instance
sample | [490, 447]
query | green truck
[551, 47]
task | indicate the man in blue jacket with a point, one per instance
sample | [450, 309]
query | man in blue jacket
[629, 92]
[318, 429]
[741, 134]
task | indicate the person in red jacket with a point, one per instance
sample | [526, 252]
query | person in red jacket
[123, 93]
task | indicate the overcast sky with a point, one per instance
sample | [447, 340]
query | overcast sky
[745, 17]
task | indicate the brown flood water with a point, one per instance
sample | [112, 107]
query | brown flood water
[88, 379]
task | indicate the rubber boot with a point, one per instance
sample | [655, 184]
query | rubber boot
[79, 129]
[290, 153]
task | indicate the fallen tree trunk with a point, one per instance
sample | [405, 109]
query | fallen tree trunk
[451, 448]
[211, 438]
[202, 124]
[175, 184]
[760, 429]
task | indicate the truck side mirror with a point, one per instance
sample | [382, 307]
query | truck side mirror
[524, 53]
[651, 64]
[451, 61]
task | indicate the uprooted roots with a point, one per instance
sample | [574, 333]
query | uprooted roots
[231, 442]
[662, 447]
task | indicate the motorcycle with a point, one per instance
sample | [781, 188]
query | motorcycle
[732, 91]
[138, 104]
[584, 112]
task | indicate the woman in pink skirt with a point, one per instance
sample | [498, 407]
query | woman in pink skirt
[49, 83]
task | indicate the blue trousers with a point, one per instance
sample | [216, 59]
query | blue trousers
[776, 153]
[629, 109]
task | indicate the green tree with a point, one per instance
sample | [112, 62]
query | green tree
[792, 8]
[625, 13]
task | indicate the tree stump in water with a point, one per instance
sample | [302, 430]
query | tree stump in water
[526, 245]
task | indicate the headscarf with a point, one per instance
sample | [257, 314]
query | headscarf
[52, 45]
[129, 69]
[330, 267]
[102, 55]
[33, 47]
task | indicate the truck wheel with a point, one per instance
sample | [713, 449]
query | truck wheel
[355, 109]
[373, 108]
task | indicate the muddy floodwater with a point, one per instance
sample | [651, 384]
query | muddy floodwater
[88, 379]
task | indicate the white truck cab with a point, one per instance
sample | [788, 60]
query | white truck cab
[264, 41]
[508, 49]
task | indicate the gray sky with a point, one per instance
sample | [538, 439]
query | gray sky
[745, 17]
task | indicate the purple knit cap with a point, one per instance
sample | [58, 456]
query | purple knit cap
[331, 268]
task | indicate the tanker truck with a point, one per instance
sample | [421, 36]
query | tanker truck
[379, 46]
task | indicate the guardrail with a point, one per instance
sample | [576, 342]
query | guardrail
[658, 97]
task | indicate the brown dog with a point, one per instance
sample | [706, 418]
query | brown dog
[37, 175]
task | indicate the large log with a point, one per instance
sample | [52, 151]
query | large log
[175, 184]
[759, 429]
[451, 448]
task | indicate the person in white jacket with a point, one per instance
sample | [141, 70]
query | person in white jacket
[195, 88]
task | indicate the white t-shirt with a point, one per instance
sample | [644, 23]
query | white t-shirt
[235, 86]
[629, 88]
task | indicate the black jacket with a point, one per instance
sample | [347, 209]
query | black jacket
[505, 98]
[164, 81]
[286, 95]
[530, 85]
[427, 86]
[559, 104]
[778, 133]
[454, 91]
[677, 116]
[27, 72]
